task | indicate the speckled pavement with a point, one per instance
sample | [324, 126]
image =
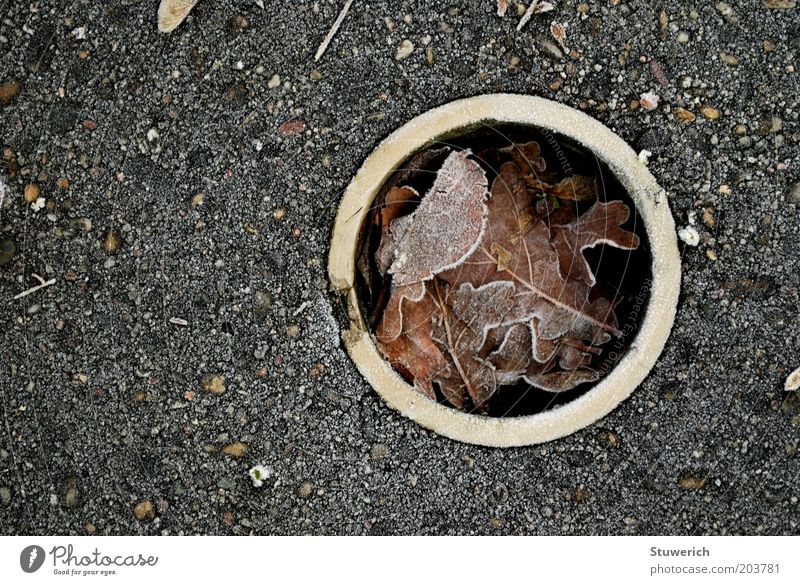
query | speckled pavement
[190, 183]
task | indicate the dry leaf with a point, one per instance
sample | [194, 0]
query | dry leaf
[559, 32]
[502, 7]
[172, 12]
[447, 225]
[599, 225]
[490, 294]
[535, 7]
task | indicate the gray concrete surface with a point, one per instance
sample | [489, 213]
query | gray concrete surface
[96, 380]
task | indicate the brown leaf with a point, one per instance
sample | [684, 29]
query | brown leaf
[527, 157]
[491, 294]
[468, 373]
[447, 225]
[391, 325]
[532, 265]
[406, 336]
[292, 128]
[574, 188]
[599, 225]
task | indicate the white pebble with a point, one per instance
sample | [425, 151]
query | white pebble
[404, 50]
[793, 381]
[689, 235]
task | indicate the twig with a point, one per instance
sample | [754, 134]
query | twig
[2, 192]
[301, 308]
[535, 7]
[42, 283]
[334, 29]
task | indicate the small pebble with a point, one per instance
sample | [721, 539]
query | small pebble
[214, 383]
[305, 490]
[111, 241]
[379, 451]
[683, 115]
[8, 91]
[292, 128]
[649, 101]
[691, 482]
[793, 196]
[729, 59]
[144, 510]
[31, 193]
[236, 450]
[689, 235]
[709, 112]
[7, 251]
[793, 381]
[404, 50]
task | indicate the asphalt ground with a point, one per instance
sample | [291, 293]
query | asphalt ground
[187, 228]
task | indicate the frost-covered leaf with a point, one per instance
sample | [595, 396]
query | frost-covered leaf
[601, 224]
[448, 224]
[516, 248]
[527, 157]
[391, 325]
[489, 294]
[405, 333]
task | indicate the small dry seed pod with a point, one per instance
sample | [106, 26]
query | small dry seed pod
[172, 12]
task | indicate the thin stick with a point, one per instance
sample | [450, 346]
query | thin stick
[535, 7]
[32, 290]
[334, 29]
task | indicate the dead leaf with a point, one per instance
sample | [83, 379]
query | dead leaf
[559, 32]
[601, 224]
[172, 12]
[502, 7]
[447, 225]
[486, 295]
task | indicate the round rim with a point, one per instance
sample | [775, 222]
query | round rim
[651, 203]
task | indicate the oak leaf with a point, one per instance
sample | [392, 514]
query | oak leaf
[486, 295]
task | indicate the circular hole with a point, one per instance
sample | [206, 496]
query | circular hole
[621, 275]
[645, 315]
